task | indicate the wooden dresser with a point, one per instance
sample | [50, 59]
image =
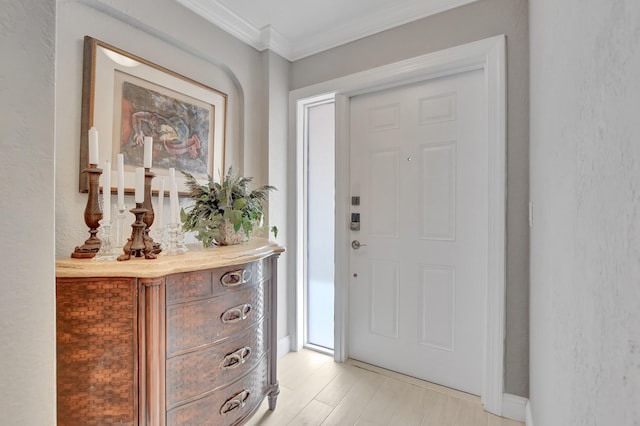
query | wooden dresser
[179, 340]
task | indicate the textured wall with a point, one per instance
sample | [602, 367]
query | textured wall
[475, 21]
[27, 316]
[585, 185]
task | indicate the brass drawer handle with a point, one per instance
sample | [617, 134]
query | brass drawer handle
[236, 402]
[235, 314]
[235, 359]
[236, 278]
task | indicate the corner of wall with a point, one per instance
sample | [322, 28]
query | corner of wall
[284, 346]
[514, 407]
[528, 414]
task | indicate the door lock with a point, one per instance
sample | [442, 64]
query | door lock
[356, 244]
[355, 222]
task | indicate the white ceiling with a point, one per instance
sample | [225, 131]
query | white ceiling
[298, 28]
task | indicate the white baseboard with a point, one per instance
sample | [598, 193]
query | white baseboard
[529, 416]
[514, 407]
[284, 346]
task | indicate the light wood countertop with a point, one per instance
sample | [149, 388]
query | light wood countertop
[197, 258]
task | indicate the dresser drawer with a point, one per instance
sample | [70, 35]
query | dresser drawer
[194, 324]
[224, 406]
[240, 276]
[196, 373]
[203, 284]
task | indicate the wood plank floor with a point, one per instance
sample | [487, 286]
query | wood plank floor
[315, 390]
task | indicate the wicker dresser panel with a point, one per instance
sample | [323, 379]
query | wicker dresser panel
[193, 374]
[262, 270]
[188, 286]
[225, 406]
[96, 351]
[194, 324]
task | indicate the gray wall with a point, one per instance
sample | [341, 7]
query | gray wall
[27, 312]
[475, 21]
[585, 186]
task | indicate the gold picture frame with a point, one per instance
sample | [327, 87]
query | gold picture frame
[126, 98]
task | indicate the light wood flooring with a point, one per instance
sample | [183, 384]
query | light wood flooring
[315, 390]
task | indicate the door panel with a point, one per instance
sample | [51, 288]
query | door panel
[384, 291]
[438, 196]
[437, 307]
[419, 164]
[385, 223]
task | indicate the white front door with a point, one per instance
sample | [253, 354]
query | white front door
[419, 278]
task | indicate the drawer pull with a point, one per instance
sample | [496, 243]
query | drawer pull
[236, 314]
[236, 402]
[236, 278]
[235, 359]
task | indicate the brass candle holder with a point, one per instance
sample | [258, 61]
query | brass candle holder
[139, 244]
[92, 216]
[149, 216]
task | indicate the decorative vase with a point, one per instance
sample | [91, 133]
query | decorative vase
[229, 236]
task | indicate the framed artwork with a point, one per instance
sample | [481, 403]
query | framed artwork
[127, 98]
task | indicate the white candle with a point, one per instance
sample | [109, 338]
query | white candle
[106, 192]
[173, 196]
[148, 150]
[93, 146]
[175, 206]
[160, 202]
[120, 181]
[139, 185]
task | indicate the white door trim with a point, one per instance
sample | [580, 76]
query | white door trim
[487, 55]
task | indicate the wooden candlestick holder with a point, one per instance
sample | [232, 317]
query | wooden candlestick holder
[92, 216]
[149, 216]
[138, 245]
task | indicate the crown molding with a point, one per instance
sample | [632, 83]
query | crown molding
[269, 37]
[227, 20]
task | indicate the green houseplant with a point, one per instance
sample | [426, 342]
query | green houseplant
[224, 213]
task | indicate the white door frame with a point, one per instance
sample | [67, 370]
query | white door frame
[487, 55]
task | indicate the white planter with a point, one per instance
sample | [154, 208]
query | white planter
[229, 236]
